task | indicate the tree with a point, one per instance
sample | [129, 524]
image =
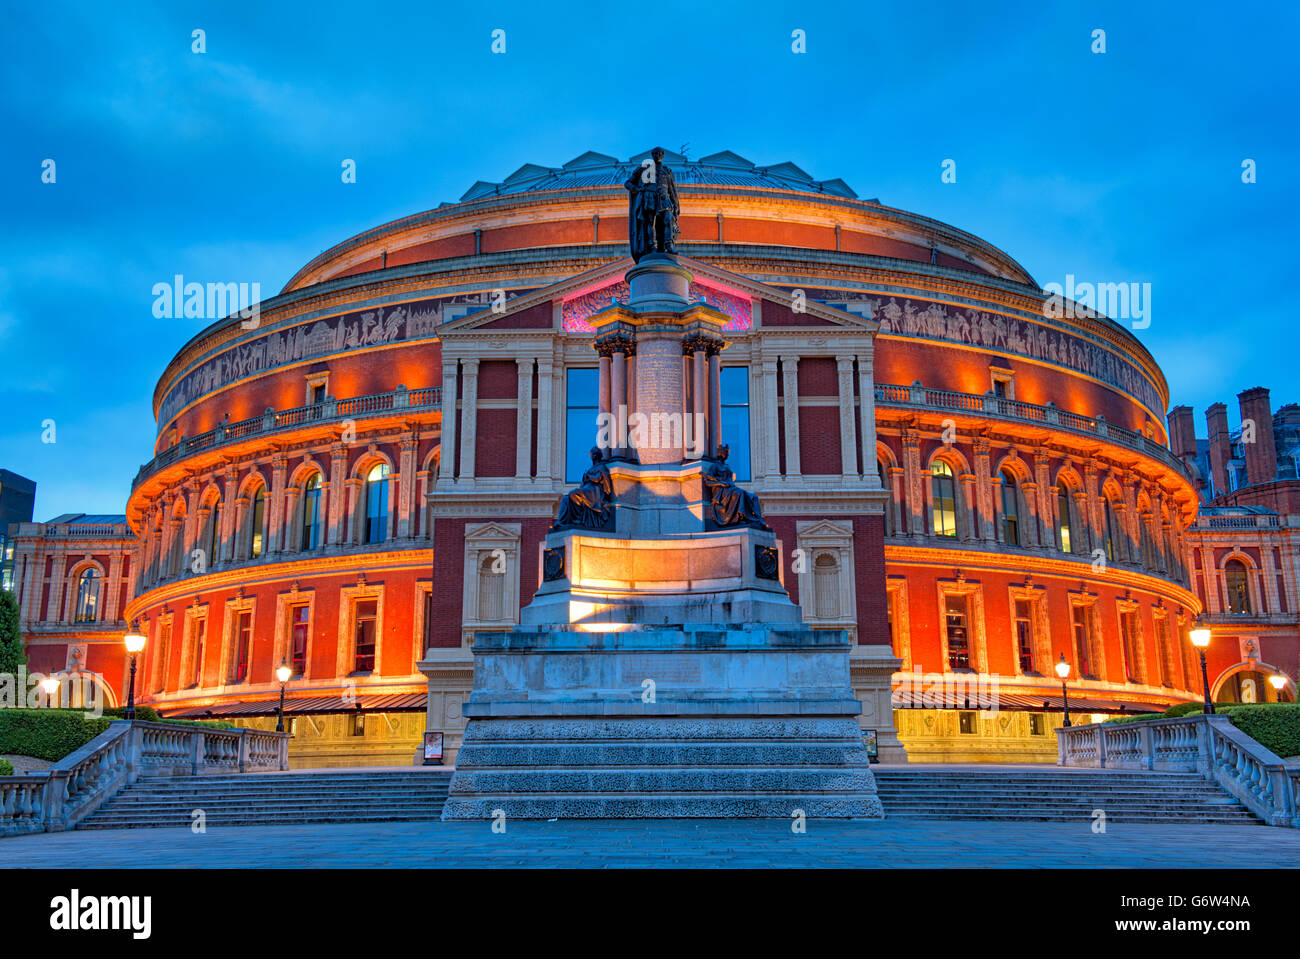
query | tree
[13, 656]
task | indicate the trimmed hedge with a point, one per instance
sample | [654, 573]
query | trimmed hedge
[48, 734]
[1274, 726]
[6, 768]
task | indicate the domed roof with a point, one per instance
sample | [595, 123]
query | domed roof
[593, 169]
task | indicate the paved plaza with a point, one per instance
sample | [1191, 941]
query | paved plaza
[670, 844]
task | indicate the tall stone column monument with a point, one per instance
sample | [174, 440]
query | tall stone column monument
[661, 669]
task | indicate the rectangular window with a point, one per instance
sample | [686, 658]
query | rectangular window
[1166, 651]
[958, 633]
[582, 405]
[298, 632]
[966, 722]
[1035, 724]
[1081, 625]
[735, 418]
[160, 667]
[357, 724]
[1128, 644]
[1025, 635]
[199, 628]
[428, 622]
[243, 646]
[366, 616]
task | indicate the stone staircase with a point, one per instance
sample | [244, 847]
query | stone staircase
[280, 798]
[1053, 794]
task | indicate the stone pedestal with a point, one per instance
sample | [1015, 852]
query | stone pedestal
[662, 723]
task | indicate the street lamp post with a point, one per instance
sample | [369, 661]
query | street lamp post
[1278, 682]
[282, 673]
[50, 687]
[134, 642]
[1063, 670]
[1201, 639]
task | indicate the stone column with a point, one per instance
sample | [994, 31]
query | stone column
[605, 385]
[275, 506]
[1269, 593]
[1212, 604]
[545, 392]
[968, 495]
[1046, 492]
[867, 419]
[229, 491]
[618, 398]
[337, 502]
[848, 428]
[790, 384]
[524, 419]
[405, 505]
[715, 399]
[897, 478]
[699, 409]
[916, 494]
[1029, 525]
[771, 433]
[985, 491]
[113, 588]
[468, 417]
[447, 436]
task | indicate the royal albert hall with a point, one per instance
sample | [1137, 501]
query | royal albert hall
[358, 481]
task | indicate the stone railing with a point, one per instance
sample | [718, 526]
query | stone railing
[272, 421]
[1209, 745]
[920, 397]
[80, 783]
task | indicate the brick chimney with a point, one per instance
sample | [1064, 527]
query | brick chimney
[1182, 432]
[1216, 420]
[1261, 455]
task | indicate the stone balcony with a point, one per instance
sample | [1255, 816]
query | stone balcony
[919, 397]
[272, 422]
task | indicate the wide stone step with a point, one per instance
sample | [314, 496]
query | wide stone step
[824, 779]
[659, 754]
[297, 819]
[1204, 819]
[707, 805]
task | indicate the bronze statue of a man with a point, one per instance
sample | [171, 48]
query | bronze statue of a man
[653, 207]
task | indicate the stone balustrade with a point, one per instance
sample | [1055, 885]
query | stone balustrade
[272, 421]
[921, 397]
[80, 783]
[1209, 745]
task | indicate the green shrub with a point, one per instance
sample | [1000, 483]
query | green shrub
[1274, 726]
[6, 768]
[143, 713]
[48, 734]
[1136, 717]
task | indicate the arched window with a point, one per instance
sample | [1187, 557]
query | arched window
[1234, 576]
[826, 586]
[943, 492]
[213, 538]
[88, 596]
[1010, 509]
[1107, 526]
[257, 523]
[1063, 518]
[376, 528]
[311, 513]
[491, 589]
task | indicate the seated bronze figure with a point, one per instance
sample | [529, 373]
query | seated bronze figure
[591, 504]
[729, 505]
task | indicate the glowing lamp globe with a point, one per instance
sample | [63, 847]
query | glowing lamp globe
[1200, 637]
[283, 672]
[134, 640]
[1277, 682]
[1062, 667]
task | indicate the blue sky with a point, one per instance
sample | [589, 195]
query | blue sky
[224, 166]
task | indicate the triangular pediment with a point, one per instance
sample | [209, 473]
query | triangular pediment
[584, 294]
